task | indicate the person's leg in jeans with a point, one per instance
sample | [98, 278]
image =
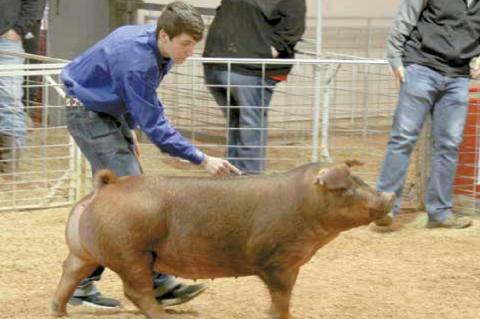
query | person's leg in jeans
[13, 130]
[244, 100]
[217, 84]
[107, 142]
[448, 121]
[253, 95]
[105, 146]
[416, 97]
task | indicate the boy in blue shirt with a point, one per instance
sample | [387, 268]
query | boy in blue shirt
[111, 90]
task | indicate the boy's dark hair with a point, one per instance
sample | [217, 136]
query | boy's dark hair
[179, 17]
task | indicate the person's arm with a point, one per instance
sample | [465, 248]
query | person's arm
[405, 21]
[146, 109]
[290, 28]
[32, 10]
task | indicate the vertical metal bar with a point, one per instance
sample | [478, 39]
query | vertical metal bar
[324, 153]
[192, 100]
[366, 88]
[228, 108]
[369, 37]
[263, 127]
[44, 145]
[318, 83]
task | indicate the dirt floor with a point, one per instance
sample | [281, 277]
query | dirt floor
[408, 273]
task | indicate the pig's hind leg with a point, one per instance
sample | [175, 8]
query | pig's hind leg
[74, 270]
[280, 285]
[136, 274]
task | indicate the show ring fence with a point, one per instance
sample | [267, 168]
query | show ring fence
[329, 110]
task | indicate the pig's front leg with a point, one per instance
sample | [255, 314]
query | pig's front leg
[280, 284]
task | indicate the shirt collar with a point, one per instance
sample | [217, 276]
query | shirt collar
[152, 41]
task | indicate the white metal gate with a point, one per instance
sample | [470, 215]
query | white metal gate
[46, 175]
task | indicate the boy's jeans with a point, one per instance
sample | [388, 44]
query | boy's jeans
[106, 142]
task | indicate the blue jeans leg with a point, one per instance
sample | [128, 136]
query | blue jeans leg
[415, 100]
[426, 92]
[12, 115]
[244, 99]
[448, 121]
[106, 142]
[219, 92]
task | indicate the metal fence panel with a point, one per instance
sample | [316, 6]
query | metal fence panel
[328, 110]
[45, 176]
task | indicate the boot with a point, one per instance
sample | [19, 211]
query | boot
[9, 154]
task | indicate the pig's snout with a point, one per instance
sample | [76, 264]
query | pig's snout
[382, 205]
[388, 198]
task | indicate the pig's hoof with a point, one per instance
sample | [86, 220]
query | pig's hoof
[57, 310]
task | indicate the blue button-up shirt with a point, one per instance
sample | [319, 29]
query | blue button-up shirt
[119, 76]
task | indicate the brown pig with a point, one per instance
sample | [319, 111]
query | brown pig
[203, 227]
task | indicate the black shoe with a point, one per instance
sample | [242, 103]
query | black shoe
[96, 301]
[179, 294]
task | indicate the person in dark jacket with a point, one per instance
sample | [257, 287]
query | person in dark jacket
[255, 29]
[16, 21]
[430, 47]
[112, 89]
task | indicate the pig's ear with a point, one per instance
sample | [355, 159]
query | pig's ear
[351, 163]
[335, 177]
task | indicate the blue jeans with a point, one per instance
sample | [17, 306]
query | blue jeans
[425, 92]
[244, 100]
[106, 141]
[12, 115]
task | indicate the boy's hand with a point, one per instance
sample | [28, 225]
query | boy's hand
[136, 145]
[219, 166]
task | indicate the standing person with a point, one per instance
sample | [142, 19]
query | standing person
[16, 21]
[112, 89]
[256, 29]
[429, 48]
[31, 89]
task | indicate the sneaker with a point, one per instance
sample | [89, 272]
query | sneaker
[179, 294]
[385, 221]
[452, 221]
[96, 301]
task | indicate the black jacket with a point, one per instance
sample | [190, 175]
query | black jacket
[248, 29]
[20, 15]
[446, 37]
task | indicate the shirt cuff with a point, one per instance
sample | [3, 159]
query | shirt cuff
[395, 63]
[198, 157]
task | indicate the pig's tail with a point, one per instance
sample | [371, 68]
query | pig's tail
[104, 177]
